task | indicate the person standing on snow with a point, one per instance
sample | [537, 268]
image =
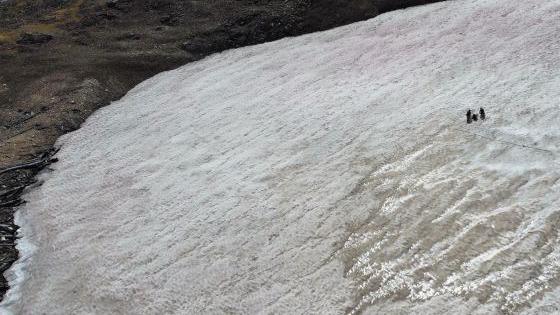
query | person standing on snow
[482, 113]
[469, 116]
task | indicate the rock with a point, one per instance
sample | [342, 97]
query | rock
[34, 38]
[168, 20]
[96, 18]
[119, 5]
[198, 46]
[112, 4]
[159, 5]
[129, 36]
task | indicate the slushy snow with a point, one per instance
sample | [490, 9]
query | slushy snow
[329, 173]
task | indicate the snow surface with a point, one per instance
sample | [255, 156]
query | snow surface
[329, 173]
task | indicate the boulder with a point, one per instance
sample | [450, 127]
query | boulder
[34, 38]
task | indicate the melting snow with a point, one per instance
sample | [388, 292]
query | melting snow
[327, 173]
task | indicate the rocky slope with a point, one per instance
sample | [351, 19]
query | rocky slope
[62, 60]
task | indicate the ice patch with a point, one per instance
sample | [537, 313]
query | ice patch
[328, 173]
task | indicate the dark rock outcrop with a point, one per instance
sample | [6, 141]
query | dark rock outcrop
[34, 38]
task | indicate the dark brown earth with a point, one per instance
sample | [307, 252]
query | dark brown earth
[62, 60]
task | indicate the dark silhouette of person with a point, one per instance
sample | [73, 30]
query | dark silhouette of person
[469, 116]
[482, 113]
[475, 117]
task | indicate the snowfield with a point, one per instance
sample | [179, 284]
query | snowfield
[330, 173]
